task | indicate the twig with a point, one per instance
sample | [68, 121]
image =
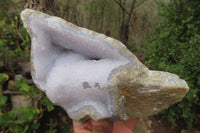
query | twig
[7, 130]
[122, 7]
[131, 11]
[12, 92]
[140, 3]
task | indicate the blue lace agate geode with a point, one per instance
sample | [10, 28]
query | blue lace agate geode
[93, 76]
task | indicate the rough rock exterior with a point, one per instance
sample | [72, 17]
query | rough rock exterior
[93, 76]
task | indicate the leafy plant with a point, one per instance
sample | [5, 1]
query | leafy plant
[174, 47]
[20, 120]
[3, 100]
[14, 40]
[132, 47]
[3, 78]
[25, 119]
[46, 102]
[52, 126]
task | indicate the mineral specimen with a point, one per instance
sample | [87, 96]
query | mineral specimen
[93, 76]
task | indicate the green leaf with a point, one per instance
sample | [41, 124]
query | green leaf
[3, 100]
[24, 88]
[25, 129]
[3, 78]
[45, 101]
[27, 114]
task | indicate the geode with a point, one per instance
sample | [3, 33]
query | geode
[93, 76]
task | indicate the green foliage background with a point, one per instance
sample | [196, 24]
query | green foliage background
[25, 119]
[175, 47]
[14, 40]
[15, 49]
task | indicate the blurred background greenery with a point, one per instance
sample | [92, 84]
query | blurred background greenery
[165, 35]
